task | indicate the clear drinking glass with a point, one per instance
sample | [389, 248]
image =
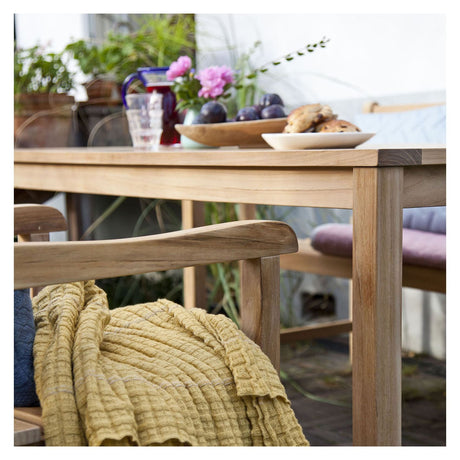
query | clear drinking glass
[154, 80]
[145, 119]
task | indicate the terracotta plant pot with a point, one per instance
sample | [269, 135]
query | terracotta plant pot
[42, 120]
[102, 89]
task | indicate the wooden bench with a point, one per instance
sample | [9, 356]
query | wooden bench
[309, 260]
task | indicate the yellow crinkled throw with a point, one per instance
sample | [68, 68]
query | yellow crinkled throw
[152, 374]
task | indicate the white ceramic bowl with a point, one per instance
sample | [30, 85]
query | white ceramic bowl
[301, 141]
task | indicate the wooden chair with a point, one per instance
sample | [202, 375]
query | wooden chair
[257, 244]
[309, 260]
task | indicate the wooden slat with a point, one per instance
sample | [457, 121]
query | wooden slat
[26, 433]
[29, 414]
[424, 278]
[28, 426]
[38, 264]
[216, 157]
[313, 331]
[377, 274]
[375, 107]
[424, 186]
[310, 260]
[35, 218]
[327, 187]
[228, 157]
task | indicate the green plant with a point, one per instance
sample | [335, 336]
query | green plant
[88, 56]
[157, 41]
[245, 95]
[245, 84]
[38, 71]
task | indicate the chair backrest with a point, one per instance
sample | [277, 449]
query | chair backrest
[257, 244]
[34, 222]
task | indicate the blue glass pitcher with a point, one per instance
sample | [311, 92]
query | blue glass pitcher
[154, 79]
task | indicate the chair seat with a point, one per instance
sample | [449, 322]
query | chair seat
[420, 248]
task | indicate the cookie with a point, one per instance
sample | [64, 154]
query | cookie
[306, 117]
[336, 126]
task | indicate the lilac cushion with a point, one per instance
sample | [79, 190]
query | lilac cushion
[426, 219]
[422, 248]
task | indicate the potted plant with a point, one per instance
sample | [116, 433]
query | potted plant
[99, 84]
[156, 42]
[42, 81]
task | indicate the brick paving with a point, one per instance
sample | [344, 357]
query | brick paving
[317, 377]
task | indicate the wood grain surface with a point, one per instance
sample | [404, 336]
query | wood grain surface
[241, 133]
[38, 264]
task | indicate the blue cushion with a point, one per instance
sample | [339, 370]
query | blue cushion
[425, 126]
[24, 334]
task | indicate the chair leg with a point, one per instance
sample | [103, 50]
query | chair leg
[260, 304]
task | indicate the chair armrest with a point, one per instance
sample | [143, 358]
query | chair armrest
[36, 218]
[42, 263]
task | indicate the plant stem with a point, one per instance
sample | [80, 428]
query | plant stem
[285, 376]
[103, 216]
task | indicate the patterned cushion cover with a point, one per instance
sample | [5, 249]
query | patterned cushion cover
[24, 334]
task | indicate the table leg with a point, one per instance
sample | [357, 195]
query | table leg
[247, 211]
[73, 227]
[377, 274]
[194, 277]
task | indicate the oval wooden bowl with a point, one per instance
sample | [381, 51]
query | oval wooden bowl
[240, 133]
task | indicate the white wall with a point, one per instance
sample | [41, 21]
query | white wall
[55, 30]
[368, 56]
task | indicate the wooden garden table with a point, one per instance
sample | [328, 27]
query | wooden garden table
[376, 183]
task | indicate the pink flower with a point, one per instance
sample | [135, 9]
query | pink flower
[179, 67]
[227, 74]
[213, 79]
